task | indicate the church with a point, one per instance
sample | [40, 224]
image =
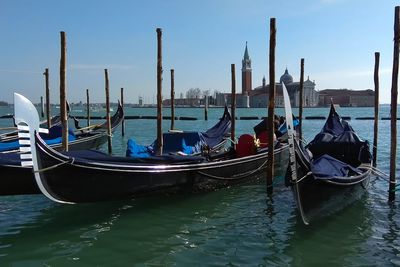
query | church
[258, 97]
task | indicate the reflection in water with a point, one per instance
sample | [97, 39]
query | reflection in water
[333, 240]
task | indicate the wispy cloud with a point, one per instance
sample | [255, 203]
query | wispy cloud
[100, 67]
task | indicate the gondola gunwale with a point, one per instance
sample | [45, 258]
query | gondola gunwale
[150, 167]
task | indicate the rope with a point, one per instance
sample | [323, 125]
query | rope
[238, 177]
[55, 166]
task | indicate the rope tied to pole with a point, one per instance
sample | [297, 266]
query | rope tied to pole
[70, 161]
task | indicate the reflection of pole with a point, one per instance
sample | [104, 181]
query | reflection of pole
[233, 104]
[63, 89]
[123, 108]
[376, 83]
[393, 106]
[159, 93]
[271, 105]
[172, 100]
[301, 99]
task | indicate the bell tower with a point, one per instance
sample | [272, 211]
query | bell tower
[246, 73]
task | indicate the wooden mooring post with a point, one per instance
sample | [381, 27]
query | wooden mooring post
[205, 107]
[108, 118]
[301, 101]
[41, 107]
[172, 100]
[63, 92]
[233, 104]
[47, 87]
[376, 88]
[123, 108]
[87, 108]
[271, 105]
[159, 150]
[393, 105]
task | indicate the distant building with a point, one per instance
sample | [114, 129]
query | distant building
[347, 98]
[258, 97]
[184, 102]
[246, 73]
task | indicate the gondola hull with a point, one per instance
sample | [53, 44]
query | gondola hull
[18, 180]
[78, 181]
[320, 198]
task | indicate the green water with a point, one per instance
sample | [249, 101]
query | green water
[236, 226]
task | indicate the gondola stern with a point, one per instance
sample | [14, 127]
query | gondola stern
[27, 121]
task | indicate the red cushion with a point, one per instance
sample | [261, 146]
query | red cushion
[245, 146]
[263, 137]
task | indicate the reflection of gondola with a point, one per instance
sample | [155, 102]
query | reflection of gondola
[17, 179]
[334, 168]
[87, 176]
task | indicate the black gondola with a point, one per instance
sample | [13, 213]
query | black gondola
[19, 180]
[334, 169]
[89, 176]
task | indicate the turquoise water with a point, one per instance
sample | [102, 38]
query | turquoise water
[236, 226]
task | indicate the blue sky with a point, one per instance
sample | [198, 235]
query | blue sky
[201, 39]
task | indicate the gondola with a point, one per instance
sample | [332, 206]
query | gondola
[90, 176]
[54, 121]
[19, 180]
[333, 170]
[81, 138]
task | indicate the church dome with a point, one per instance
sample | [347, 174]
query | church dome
[286, 77]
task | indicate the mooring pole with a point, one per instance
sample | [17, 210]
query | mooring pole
[108, 118]
[48, 112]
[63, 92]
[301, 101]
[376, 84]
[159, 93]
[87, 107]
[205, 107]
[41, 106]
[123, 108]
[233, 104]
[271, 105]
[172, 100]
[393, 105]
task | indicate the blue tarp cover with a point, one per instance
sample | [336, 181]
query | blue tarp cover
[53, 137]
[327, 167]
[338, 139]
[186, 142]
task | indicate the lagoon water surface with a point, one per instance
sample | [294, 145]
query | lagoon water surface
[236, 226]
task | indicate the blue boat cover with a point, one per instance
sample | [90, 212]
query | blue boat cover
[186, 142]
[53, 137]
[338, 139]
[327, 167]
